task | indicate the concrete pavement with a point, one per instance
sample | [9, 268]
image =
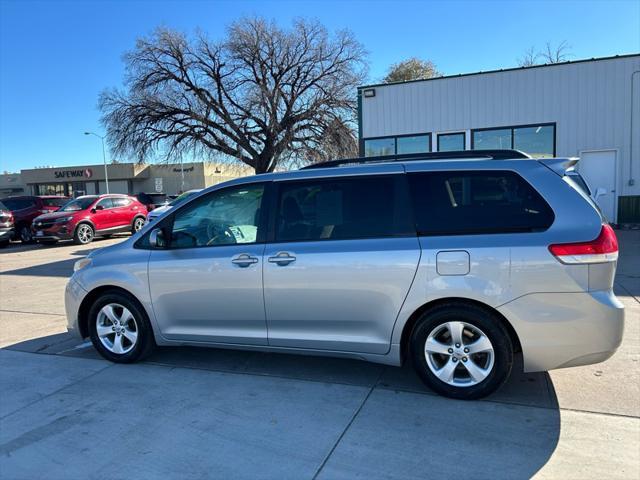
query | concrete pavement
[202, 413]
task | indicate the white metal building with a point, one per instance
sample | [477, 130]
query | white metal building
[586, 108]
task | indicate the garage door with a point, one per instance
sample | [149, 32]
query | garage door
[115, 186]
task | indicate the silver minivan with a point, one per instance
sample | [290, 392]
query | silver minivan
[454, 264]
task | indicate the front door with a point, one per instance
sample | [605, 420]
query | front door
[103, 217]
[207, 285]
[343, 259]
[598, 167]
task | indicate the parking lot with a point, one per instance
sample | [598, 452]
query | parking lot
[205, 413]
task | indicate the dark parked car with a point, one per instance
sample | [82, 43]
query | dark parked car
[27, 207]
[6, 225]
[88, 216]
[152, 200]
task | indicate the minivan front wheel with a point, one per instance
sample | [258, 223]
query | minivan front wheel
[461, 351]
[119, 328]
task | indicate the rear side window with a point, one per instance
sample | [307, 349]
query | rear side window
[343, 208]
[120, 201]
[54, 202]
[466, 203]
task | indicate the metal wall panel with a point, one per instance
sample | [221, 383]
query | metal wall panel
[590, 102]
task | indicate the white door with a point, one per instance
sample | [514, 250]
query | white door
[598, 167]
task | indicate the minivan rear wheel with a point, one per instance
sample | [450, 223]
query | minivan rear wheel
[119, 328]
[461, 351]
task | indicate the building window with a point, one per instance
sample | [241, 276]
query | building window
[492, 139]
[379, 146]
[52, 189]
[413, 144]
[404, 144]
[535, 140]
[449, 142]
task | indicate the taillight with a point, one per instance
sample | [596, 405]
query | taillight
[602, 249]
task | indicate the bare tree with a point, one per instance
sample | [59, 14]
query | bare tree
[529, 58]
[411, 69]
[263, 95]
[560, 53]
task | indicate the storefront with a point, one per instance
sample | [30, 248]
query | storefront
[128, 178]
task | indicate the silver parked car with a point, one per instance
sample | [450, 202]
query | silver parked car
[454, 265]
[157, 212]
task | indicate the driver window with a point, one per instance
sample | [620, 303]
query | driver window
[225, 217]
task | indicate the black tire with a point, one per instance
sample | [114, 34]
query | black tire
[26, 235]
[78, 235]
[137, 224]
[489, 324]
[4, 244]
[145, 342]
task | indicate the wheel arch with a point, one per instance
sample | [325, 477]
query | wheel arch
[408, 327]
[85, 221]
[90, 298]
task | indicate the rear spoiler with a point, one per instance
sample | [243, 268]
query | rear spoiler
[559, 165]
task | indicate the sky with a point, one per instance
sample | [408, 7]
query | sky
[56, 57]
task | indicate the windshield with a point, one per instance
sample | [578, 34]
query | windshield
[181, 198]
[2, 207]
[78, 204]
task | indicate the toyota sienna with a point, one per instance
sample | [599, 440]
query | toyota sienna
[454, 262]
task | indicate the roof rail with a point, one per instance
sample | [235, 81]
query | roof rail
[410, 157]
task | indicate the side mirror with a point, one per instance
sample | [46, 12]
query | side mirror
[600, 191]
[157, 238]
[98, 207]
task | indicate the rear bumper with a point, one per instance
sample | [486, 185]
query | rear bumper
[559, 330]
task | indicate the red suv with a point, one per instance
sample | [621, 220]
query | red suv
[27, 207]
[86, 217]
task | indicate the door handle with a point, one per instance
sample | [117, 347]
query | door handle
[244, 260]
[282, 259]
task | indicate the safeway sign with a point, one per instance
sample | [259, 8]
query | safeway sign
[79, 173]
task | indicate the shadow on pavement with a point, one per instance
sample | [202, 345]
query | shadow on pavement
[62, 268]
[399, 430]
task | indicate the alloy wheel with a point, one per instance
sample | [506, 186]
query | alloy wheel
[138, 224]
[459, 354]
[117, 328]
[85, 233]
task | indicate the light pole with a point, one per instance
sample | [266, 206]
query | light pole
[104, 159]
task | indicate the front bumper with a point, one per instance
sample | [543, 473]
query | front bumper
[62, 231]
[558, 330]
[6, 234]
[73, 296]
